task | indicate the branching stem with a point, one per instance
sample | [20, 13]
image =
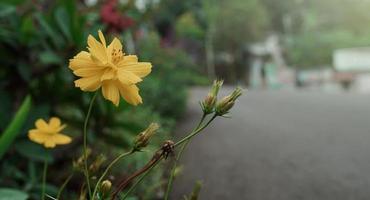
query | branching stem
[172, 176]
[159, 155]
[64, 185]
[108, 168]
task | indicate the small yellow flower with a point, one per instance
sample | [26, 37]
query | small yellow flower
[48, 134]
[108, 67]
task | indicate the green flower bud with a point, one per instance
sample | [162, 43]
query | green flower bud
[79, 163]
[216, 87]
[209, 102]
[196, 190]
[95, 166]
[236, 93]
[105, 188]
[225, 104]
[142, 140]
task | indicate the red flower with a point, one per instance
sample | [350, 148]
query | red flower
[111, 16]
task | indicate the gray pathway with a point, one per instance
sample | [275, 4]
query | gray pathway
[281, 145]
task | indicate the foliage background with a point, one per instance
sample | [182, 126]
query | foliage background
[37, 40]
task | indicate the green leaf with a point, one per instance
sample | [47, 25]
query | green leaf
[5, 109]
[24, 70]
[13, 129]
[49, 57]
[33, 151]
[12, 194]
[45, 26]
[132, 198]
[13, 2]
[6, 9]
[50, 189]
[27, 29]
[63, 20]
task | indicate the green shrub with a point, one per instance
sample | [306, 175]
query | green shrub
[35, 46]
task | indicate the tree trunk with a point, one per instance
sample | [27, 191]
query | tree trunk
[210, 52]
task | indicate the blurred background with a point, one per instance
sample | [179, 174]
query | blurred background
[300, 132]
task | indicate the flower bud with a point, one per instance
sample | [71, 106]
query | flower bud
[196, 190]
[142, 140]
[95, 166]
[178, 171]
[236, 93]
[216, 87]
[105, 187]
[79, 163]
[209, 102]
[225, 104]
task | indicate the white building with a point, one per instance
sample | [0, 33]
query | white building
[268, 68]
[352, 66]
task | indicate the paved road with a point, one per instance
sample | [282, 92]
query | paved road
[281, 145]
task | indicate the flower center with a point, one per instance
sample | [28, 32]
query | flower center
[50, 131]
[117, 55]
[113, 66]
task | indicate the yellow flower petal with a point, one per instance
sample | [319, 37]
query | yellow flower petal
[109, 74]
[37, 136]
[54, 122]
[140, 69]
[88, 71]
[61, 139]
[42, 125]
[102, 39]
[110, 92]
[130, 93]
[97, 49]
[49, 144]
[82, 60]
[128, 78]
[84, 55]
[90, 84]
[127, 60]
[130, 59]
[115, 44]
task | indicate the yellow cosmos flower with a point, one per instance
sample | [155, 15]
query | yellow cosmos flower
[108, 67]
[48, 134]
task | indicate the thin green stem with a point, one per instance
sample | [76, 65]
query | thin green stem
[137, 182]
[64, 185]
[192, 134]
[173, 171]
[172, 176]
[108, 168]
[44, 179]
[86, 170]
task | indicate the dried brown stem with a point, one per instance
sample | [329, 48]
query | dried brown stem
[163, 152]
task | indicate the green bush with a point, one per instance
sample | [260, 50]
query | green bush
[35, 46]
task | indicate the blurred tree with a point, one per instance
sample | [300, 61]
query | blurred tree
[313, 29]
[187, 27]
[167, 13]
[280, 15]
[210, 9]
[237, 23]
